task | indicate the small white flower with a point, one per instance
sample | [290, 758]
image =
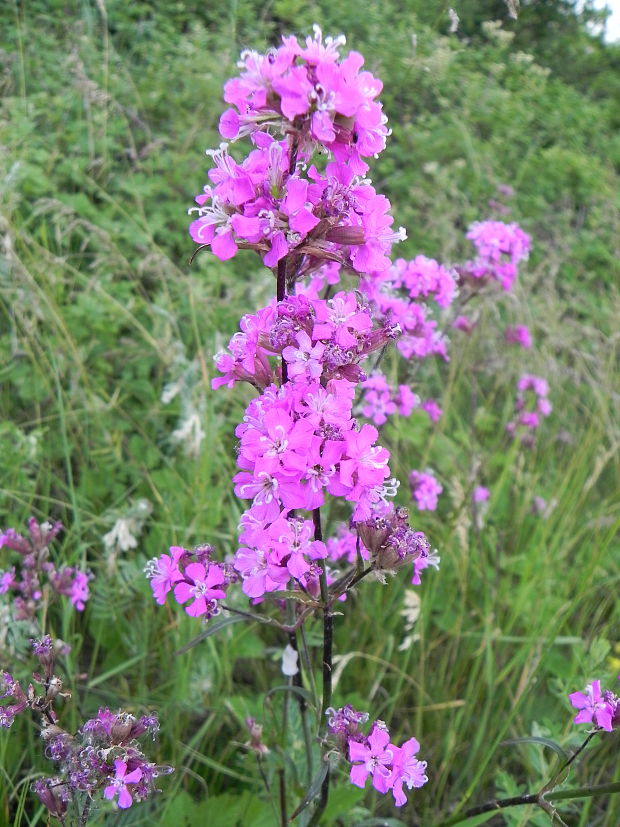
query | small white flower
[120, 537]
[190, 433]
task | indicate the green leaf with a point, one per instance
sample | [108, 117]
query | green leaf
[295, 690]
[212, 629]
[313, 790]
[537, 739]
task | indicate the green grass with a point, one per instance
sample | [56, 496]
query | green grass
[103, 131]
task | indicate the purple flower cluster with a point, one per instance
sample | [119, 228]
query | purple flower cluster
[392, 543]
[105, 756]
[425, 489]
[390, 767]
[311, 94]
[11, 690]
[26, 582]
[499, 249]
[599, 708]
[43, 702]
[380, 400]
[193, 577]
[531, 404]
[297, 444]
[257, 205]
[519, 335]
[402, 294]
[319, 340]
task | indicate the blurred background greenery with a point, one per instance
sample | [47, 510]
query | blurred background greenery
[106, 339]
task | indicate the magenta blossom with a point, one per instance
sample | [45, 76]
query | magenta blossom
[118, 785]
[481, 494]
[407, 770]
[200, 585]
[373, 758]
[519, 335]
[425, 490]
[594, 707]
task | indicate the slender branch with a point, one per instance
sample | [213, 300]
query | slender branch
[540, 798]
[533, 798]
[269, 621]
[577, 752]
[85, 813]
[328, 632]
[585, 792]
[501, 804]
[282, 785]
[297, 680]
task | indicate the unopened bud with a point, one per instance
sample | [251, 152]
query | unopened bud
[347, 236]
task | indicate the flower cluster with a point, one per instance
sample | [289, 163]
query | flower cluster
[500, 248]
[18, 701]
[309, 93]
[425, 489]
[45, 651]
[318, 339]
[402, 294]
[599, 708]
[531, 404]
[392, 543]
[297, 444]
[424, 278]
[380, 400]
[26, 582]
[193, 577]
[104, 755]
[519, 335]
[390, 767]
[273, 205]
[300, 441]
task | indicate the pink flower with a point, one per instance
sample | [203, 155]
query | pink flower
[499, 249]
[407, 770]
[163, 573]
[305, 360]
[7, 580]
[464, 324]
[374, 759]
[432, 409]
[425, 489]
[200, 586]
[519, 335]
[366, 463]
[481, 494]
[119, 784]
[79, 592]
[406, 400]
[594, 707]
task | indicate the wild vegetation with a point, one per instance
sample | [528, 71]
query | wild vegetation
[109, 424]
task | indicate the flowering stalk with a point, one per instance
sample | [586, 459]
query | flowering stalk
[300, 440]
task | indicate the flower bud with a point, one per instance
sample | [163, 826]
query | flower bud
[348, 236]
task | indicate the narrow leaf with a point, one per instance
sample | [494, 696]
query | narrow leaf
[536, 739]
[212, 629]
[313, 790]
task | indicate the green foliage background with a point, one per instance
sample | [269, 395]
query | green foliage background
[106, 110]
